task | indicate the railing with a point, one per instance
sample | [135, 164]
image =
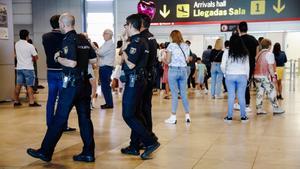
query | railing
[292, 80]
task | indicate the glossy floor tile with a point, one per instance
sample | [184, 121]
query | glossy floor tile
[265, 142]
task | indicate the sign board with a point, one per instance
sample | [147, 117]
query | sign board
[228, 27]
[175, 12]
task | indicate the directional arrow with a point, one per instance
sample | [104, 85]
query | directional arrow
[165, 12]
[279, 8]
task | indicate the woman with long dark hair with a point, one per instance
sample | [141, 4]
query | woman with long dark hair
[235, 65]
[280, 59]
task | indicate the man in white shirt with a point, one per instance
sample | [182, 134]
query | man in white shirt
[26, 54]
[106, 64]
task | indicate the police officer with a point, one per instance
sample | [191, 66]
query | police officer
[74, 58]
[135, 58]
[151, 72]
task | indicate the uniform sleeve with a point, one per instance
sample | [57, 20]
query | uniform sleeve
[133, 51]
[70, 50]
[92, 52]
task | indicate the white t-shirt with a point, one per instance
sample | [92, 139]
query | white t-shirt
[270, 58]
[178, 59]
[24, 52]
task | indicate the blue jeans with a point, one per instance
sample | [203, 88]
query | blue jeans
[216, 79]
[105, 78]
[236, 84]
[177, 77]
[54, 87]
[25, 77]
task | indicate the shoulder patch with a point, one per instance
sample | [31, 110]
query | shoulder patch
[66, 50]
[132, 51]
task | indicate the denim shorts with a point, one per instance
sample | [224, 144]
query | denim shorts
[25, 77]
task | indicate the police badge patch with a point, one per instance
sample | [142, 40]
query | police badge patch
[132, 51]
[66, 50]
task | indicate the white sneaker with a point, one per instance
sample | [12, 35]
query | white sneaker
[260, 112]
[278, 110]
[187, 118]
[205, 91]
[219, 97]
[236, 106]
[248, 109]
[171, 120]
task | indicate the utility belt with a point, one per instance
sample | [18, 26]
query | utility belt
[71, 79]
[152, 74]
[133, 76]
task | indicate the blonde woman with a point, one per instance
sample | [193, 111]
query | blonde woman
[177, 55]
[216, 72]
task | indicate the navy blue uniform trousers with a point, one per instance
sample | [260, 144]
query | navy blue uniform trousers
[132, 114]
[80, 97]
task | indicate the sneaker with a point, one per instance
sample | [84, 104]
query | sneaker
[213, 97]
[236, 106]
[35, 104]
[171, 120]
[244, 119]
[187, 118]
[219, 97]
[129, 150]
[228, 119]
[278, 110]
[205, 91]
[261, 112]
[248, 109]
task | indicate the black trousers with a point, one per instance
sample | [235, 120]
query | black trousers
[191, 79]
[247, 94]
[79, 97]
[132, 114]
[146, 108]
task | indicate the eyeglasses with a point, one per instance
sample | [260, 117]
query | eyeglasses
[126, 24]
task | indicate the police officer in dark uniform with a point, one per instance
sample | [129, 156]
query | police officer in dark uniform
[135, 57]
[74, 58]
[151, 72]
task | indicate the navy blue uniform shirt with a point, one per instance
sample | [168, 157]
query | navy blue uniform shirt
[52, 42]
[68, 50]
[152, 60]
[137, 52]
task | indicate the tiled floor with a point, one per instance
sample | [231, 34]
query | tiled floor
[265, 142]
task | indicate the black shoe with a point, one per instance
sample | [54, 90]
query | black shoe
[16, 104]
[40, 87]
[69, 129]
[35, 104]
[149, 150]
[105, 106]
[280, 97]
[130, 151]
[38, 154]
[84, 158]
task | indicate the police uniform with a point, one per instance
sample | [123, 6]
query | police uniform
[151, 79]
[135, 80]
[76, 92]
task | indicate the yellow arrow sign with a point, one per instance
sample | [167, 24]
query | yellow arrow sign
[279, 8]
[165, 12]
